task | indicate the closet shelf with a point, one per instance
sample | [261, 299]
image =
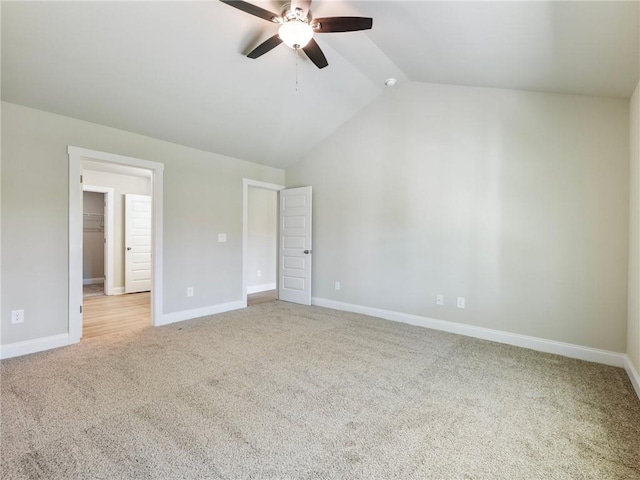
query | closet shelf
[92, 222]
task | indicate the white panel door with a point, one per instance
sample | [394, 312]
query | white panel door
[137, 237]
[295, 246]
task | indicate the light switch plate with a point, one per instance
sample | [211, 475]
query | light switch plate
[439, 299]
[460, 302]
[222, 237]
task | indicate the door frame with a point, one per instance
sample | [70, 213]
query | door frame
[76, 155]
[108, 233]
[246, 184]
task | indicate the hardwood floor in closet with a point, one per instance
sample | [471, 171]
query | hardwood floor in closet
[116, 313]
[262, 297]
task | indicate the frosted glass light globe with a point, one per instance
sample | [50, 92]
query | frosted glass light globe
[295, 34]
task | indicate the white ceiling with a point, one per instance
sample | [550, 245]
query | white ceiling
[576, 47]
[176, 71]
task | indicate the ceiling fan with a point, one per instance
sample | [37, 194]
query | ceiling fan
[297, 27]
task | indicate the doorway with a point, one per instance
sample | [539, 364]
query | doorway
[260, 241]
[262, 245]
[294, 241]
[94, 244]
[127, 306]
[114, 310]
[97, 240]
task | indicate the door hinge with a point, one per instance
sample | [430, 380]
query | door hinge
[105, 240]
[80, 178]
[80, 308]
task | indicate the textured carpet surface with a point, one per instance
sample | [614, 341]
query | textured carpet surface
[279, 391]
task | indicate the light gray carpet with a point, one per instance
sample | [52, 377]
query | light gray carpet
[279, 391]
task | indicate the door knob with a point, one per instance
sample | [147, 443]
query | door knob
[307, 252]
[128, 248]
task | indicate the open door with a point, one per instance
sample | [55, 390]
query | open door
[137, 255]
[295, 246]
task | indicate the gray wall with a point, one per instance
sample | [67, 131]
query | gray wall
[122, 184]
[202, 197]
[262, 231]
[517, 201]
[633, 326]
[92, 237]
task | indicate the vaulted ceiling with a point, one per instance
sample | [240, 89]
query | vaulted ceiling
[177, 70]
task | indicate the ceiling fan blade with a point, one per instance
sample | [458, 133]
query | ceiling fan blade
[341, 24]
[265, 47]
[315, 54]
[252, 9]
[304, 5]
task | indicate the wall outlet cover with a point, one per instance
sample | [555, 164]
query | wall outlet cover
[337, 285]
[17, 316]
[222, 237]
[460, 302]
[439, 299]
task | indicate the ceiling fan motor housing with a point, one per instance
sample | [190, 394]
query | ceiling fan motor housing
[290, 13]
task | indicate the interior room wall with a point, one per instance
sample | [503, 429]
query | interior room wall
[517, 201]
[92, 237]
[122, 184]
[261, 239]
[633, 325]
[202, 197]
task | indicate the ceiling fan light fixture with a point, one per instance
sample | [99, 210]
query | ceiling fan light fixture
[295, 34]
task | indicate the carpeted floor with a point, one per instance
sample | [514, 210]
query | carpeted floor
[279, 391]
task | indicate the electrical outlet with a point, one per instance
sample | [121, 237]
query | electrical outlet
[439, 299]
[460, 302]
[17, 316]
[190, 292]
[259, 274]
[337, 285]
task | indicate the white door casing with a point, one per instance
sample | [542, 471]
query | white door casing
[295, 246]
[137, 255]
[76, 155]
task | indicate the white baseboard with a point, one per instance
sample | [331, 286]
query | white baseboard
[265, 287]
[92, 281]
[118, 290]
[174, 317]
[525, 341]
[633, 375]
[33, 346]
[62, 340]
[534, 343]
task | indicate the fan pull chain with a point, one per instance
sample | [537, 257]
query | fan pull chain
[296, 54]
